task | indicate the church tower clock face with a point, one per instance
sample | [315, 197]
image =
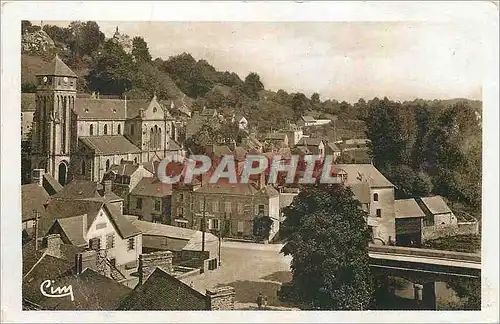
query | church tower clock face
[65, 79]
[45, 79]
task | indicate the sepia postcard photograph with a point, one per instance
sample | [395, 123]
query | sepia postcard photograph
[280, 161]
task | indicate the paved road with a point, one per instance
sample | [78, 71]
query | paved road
[250, 268]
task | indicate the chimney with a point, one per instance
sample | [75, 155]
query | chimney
[54, 245]
[37, 176]
[108, 185]
[84, 260]
[221, 298]
[150, 261]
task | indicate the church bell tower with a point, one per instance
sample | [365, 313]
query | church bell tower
[51, 137]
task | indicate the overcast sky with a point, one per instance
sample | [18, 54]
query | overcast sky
[340, 60]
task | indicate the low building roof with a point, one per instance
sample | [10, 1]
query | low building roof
[244, 189]
[407, 208]
[363, 172]
[310, 141]
[33, 197]
[308, 118]
[126, 169]
[156, 229]
[109, 144]
[436, 205]
[162, 291]
[152, 187]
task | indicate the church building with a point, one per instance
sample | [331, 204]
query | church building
[80, 138]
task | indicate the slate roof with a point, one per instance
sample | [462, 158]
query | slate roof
[109, 144]
[162, 291]
[247, 189]
[57, 68]
[436, 205]
[309, 141]
[308, 118]
[33, 197]
[28, 103]
[156, 229]
[91, 290]
[123, 169]
[173, 145]
[50, 184]
[406, 208]
[79, 189]
[73, 228]
[108, 109]
[365, 172]
[361, 192]
[152, 187]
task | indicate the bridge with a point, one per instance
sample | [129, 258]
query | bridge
[424, 267]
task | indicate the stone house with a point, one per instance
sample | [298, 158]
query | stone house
[276, 140]
[376, 195]
[150, 199]
[437, 212]
[227, 207]
[314, 145]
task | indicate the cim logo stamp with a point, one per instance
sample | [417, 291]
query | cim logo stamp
[56, 292]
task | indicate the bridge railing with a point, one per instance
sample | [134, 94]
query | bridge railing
[418, 252]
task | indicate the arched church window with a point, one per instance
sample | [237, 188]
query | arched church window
[119, 129]
[107, 164]
[105, 129]
[159, 139]
[91, 130]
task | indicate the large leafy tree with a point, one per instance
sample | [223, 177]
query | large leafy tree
[253, 85]
[327, 237]
[111, 73]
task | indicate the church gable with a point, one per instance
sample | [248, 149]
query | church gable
[155, 111]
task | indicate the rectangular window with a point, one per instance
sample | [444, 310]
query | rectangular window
[240, 227]
[138, 204]
[157, 204]
[110, 241]
[240, 208]
[181, 197]
[379, 212]
[201, 205]
[261, 210]
[214, 224]
[100, 226]
[215, 206]
[156, 218]
[227, 207]
[95, 244]
[131, 244]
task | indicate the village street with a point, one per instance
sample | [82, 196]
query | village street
[250, 268]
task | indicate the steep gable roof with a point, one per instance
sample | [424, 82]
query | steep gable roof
[162, 291]
[109, 144]
[407, 208]
[152, 187]
[57, 68]
[33, 197]
[363, 172]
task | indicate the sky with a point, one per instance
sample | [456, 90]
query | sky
[339, 60]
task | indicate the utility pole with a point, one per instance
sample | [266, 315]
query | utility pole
[37, 218]
[203, 224]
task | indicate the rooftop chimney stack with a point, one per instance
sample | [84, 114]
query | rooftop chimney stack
[37, 176]
[54, 245]
[150, 261]
[108, 186]
[84, 260]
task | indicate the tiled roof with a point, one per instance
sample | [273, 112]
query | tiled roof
[162, 291]
[123, 225]
[91, 291]
[406, 208]
[360, 172]
[30, 256]
[308, 118]
[33, 197]
[79, 189]
[50, 184]
[57, 68]
[28, 102]
[155, 229]
[152, 187]
[361, 192]
[74, 228]
[246, 189]
[436, 205]
[124, 169]
[108, 109]
[310, 141]
[109, 144]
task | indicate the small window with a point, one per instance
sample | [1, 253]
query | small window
[157, 204]
[91, 130]
[261, 210]
[215, 206]
[181, 197]
[110, 241]
[107, 165]
[375, 197]
[240, 227]
[379, 212]
[105, 129]
[240, 208]
[138, 203]
[201, 205]
[214, 224]
[119, 130]
[131, 244]
[227, 207]
[95, 244]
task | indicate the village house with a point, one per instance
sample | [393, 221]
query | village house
[437, 212]
[307, 121]
[251, 143]
[294, 134]
[313, 145]
[276, 140]
[228, 208]
[376, 195]
[332, 149]
[409, 222]
[150, 200]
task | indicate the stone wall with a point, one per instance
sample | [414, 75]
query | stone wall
[433, 232]
[221, 298]
[149, 262]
